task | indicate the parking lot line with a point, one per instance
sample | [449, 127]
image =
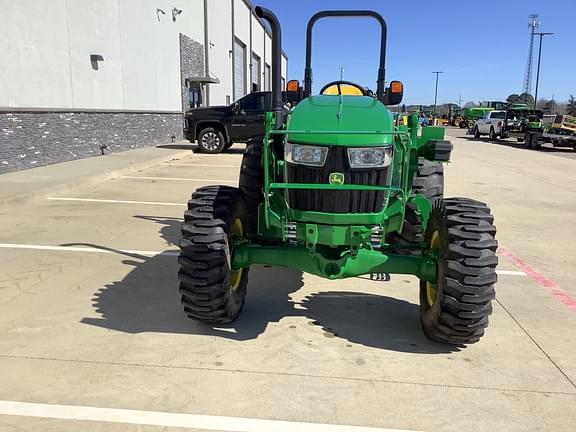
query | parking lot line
[167, 419]
[202, 165]
[146, 253]
[88, 249]
[115, 201]
[545, 282]
[180, 179]
[510, 273]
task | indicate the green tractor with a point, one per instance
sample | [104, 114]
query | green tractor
[335, 189]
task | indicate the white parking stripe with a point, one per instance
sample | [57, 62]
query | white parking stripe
[510, 273]
[180, 179]
[167, 419]
[115, 201]
[202, 165]
[87, 249]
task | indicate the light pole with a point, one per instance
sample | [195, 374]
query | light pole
[436, 91]
[538, 68]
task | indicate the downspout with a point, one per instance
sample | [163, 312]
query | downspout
[206, 52]
[233, 54]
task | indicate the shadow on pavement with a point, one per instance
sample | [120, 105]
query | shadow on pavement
[147, 300]
[545, 148]
[235, 149]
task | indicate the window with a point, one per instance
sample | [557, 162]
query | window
[267, 77]
[498, 115]
[255, 102]
[255, 73]
[239, 69]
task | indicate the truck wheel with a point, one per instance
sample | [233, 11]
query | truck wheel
[519, 139]
[455, 308]
[492, 135]
[428, 181]
[252, 181]
[463, 124]
[528, 140]
[211, 291]
[476, 132]
[211, 141]
[535, 144]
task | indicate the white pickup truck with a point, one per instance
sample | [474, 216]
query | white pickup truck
[490, 124]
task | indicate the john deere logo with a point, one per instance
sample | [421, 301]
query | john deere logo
[336, 178]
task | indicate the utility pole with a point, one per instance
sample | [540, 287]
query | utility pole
[436, 91]
[341, 74]
[538, 67]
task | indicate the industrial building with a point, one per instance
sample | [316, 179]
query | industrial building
[82, 77]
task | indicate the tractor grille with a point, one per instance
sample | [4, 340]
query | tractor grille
[329, 201]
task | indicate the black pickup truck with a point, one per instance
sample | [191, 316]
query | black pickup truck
[217, 128]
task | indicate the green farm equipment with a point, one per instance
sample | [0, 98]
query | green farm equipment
[336, 190]
[471, 114]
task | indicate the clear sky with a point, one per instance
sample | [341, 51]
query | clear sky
[481, 46]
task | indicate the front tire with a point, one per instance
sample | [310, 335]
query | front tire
[476, 132]
[211, 141]
[455, 308]
[210, 290]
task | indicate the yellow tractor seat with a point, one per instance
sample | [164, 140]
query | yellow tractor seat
[346, 88]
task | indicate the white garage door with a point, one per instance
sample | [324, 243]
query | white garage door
[239, 69]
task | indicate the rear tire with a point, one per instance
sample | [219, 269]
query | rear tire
[492, 135]
[528, 140]
[428, 181]
[476, 132]
[210, 290]
[455, 309]
[463, 124]
[211, 141]
[252, 181]
[535, 145]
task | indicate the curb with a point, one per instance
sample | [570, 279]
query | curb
[35, 192]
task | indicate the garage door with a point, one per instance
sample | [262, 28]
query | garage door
[239, 69]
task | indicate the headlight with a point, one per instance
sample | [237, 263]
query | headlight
[305, 154]
[370, 157]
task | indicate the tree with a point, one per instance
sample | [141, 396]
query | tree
[513, 98]
[571, 106]
[469, 104]
[525, 98]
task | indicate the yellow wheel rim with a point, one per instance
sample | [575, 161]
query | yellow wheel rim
[236, 275]
[431, 287]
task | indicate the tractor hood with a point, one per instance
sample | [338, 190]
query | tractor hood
[336, 117]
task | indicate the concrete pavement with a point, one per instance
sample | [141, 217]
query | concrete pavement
[101, 326]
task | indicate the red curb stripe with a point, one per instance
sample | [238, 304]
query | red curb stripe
[547, 283]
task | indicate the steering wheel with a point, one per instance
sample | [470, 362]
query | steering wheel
[343, 88]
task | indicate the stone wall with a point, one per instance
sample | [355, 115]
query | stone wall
[30, 139]
[191, 63]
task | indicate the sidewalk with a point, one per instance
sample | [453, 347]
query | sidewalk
[21, 186]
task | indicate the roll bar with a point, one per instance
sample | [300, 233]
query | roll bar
[346, 13]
